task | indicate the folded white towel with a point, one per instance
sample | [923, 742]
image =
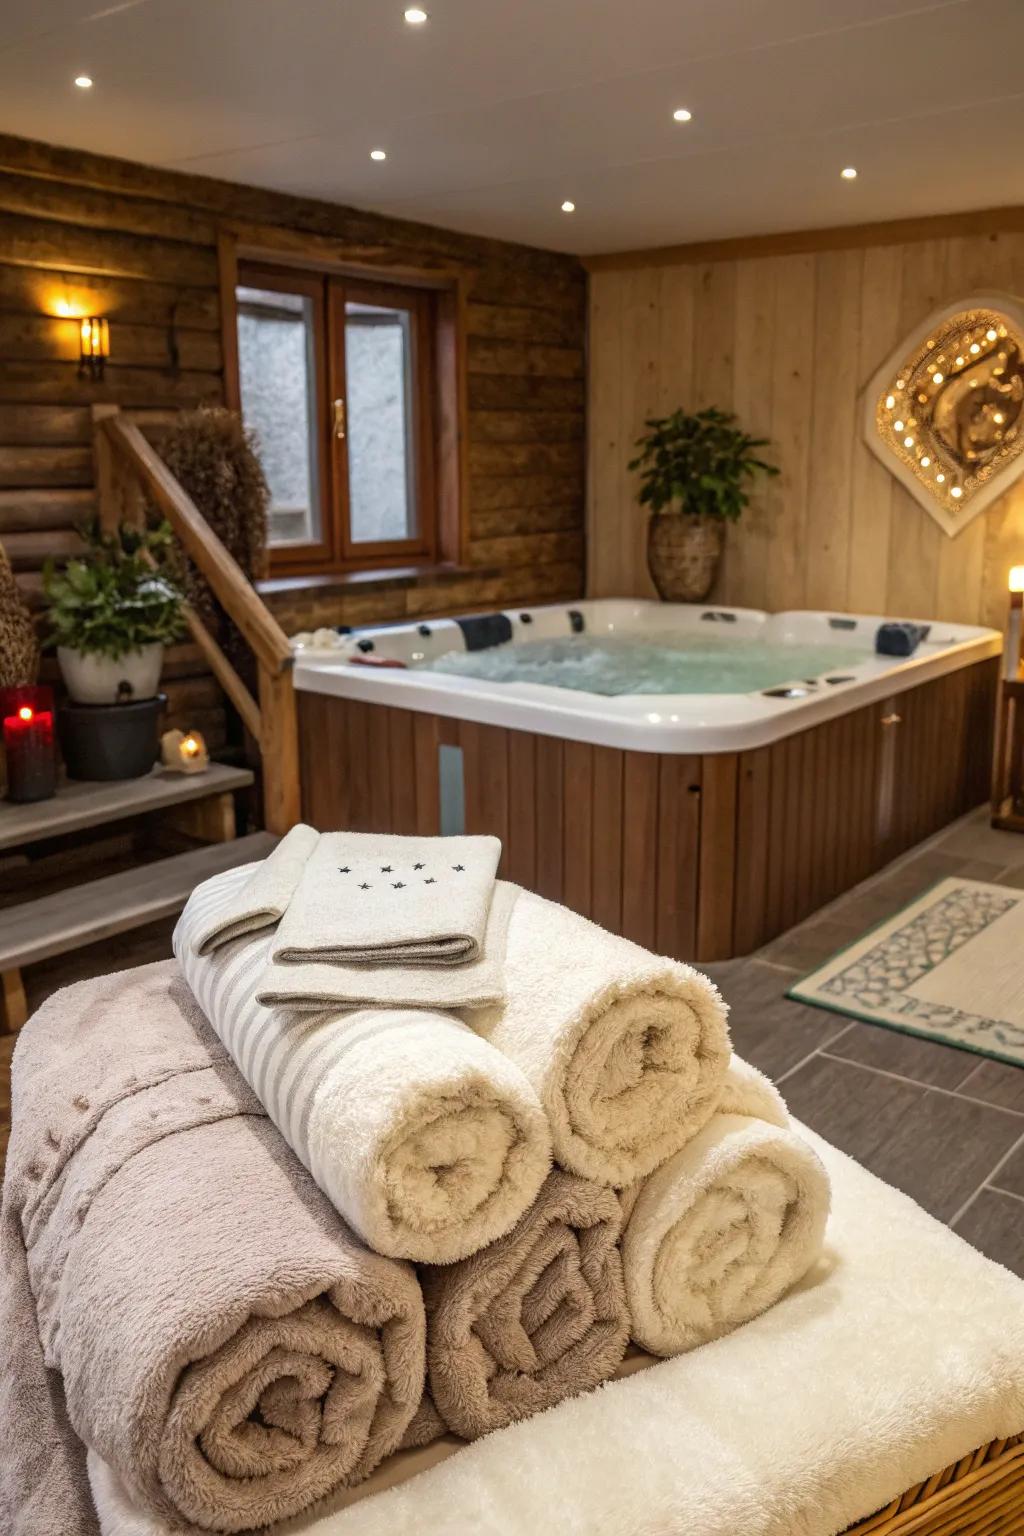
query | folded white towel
[725, 1227]
[262, 900]
[625, 1050]
[395, 983]
[429, 1141]
[371, 899]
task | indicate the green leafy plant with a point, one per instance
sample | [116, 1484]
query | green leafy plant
[116, 597]
[698, 465]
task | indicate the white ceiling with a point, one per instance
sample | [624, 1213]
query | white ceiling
[497, 110]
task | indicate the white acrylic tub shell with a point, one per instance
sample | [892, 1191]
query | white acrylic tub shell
[677, 723]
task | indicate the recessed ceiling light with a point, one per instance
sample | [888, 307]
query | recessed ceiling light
[84, 82]
[415, 16]
[378, 154]
[681, 115]
[568, 207]
[849, 173]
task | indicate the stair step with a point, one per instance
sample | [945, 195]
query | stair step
[85, 914]
[79, 804]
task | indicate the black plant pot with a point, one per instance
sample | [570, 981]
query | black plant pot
[110, 741]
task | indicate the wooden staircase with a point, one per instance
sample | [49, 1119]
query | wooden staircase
[129, 472]
[200, 806]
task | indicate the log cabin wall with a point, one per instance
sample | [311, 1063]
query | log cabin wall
[786, 331]
[86, 234]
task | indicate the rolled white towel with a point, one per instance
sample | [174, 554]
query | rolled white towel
[626, 1050]
[724, 1228]
[429, 1141]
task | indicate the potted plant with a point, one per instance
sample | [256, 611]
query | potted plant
[110, 612]
[695, 473]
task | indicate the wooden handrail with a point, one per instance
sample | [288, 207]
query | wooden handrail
[126, 462]
[260, 630]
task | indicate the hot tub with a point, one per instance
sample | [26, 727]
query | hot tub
[698, 778]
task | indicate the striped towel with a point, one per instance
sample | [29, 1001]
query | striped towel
[428, 1140]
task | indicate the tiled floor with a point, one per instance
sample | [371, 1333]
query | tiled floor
[944, 1125]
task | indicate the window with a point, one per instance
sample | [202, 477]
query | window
[338, 378]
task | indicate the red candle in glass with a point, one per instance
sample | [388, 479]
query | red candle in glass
[27, 715]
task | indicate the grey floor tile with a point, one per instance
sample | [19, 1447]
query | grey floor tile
[810, 944]
[768, 1029]
[937, 1148]
[887, 1050]
[975, 839]
[1011, 1175]
[995, 1224]
[997, 1082]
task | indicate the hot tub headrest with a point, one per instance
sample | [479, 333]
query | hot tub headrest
[485, 629]
[900, 639]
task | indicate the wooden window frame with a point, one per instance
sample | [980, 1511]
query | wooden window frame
[437, 299]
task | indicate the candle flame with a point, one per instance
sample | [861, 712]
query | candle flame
[190, 746]
[24, 713]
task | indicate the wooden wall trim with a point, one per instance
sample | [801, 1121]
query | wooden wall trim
[840, 237]
[227, 277]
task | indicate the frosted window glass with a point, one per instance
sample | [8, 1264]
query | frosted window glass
[382, 503]
[277, 373]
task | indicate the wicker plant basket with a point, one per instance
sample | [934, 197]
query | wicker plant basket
[982, 1495]
[683, 554]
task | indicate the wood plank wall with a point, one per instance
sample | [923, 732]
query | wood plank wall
[87, 234]
[788, 341]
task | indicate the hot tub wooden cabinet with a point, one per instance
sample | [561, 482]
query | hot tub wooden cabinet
[700, 855]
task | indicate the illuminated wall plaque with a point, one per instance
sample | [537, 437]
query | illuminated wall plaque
[945, 412]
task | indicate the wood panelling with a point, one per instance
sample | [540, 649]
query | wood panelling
[787, 332]
[83, 234]
[697, 857]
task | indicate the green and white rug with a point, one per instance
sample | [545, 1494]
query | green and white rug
[949, 967]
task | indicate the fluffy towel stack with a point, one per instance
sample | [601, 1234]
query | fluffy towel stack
[680, 1204]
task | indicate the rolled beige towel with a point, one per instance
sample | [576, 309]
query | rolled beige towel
[626, 1050]
[429, 1141]
[726, 1226]
[223, 1340]
[538, 1316]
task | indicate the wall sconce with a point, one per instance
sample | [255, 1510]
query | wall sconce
[95, 347]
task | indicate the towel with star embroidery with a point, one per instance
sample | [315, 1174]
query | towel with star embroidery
[261, 900]
[367, 898]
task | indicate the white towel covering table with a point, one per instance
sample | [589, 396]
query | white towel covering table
[900, 1353]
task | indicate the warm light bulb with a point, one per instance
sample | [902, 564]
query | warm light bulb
[378, 154]
[415, 17]
[568, 207]
[24, 713]
[959, 362]
[998, 418]
[936, 378]
[1017, 578]
[84, 82]
[908, 442]
[900, 383]
[681, 115]
[849, 173]
[925, 462]
[990, 334]
[975, 348]
[890, 401]
[940, 479]
[897, 426]
[955, 490]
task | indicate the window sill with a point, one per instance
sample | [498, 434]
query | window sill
[363, 581]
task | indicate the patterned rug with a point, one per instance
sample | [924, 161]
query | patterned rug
[949, 967]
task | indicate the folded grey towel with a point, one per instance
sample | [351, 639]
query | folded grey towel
[262, 900]
[312, 985]
[368, 899]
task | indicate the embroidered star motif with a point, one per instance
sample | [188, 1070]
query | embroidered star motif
[398, 885]
[459, 868]
[417, 866]
[386, 869]
[430, 880]
[344, 870]
[365, 887]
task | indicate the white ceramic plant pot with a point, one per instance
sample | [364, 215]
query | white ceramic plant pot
[104, 680]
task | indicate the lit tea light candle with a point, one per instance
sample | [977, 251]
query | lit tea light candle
[184, 752]
[27, 715]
